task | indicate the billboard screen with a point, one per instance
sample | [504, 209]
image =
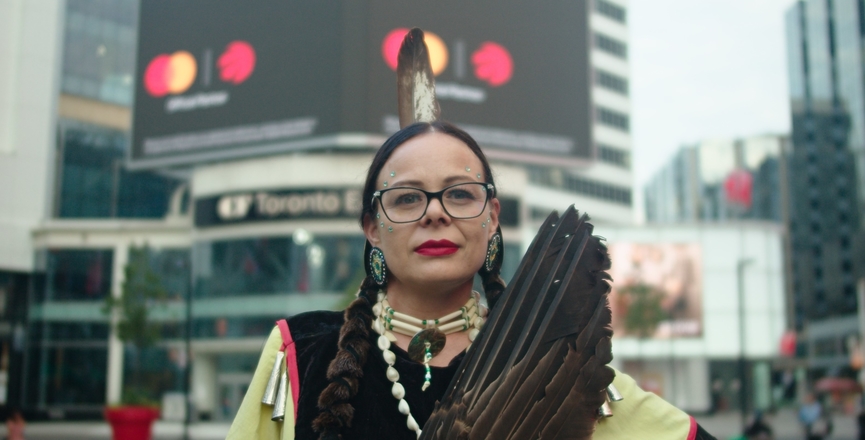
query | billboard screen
[515, 75]
[657, 290]
[220, 79]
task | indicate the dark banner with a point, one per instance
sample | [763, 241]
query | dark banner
[293, 204]
[515, 75]
[219, 79]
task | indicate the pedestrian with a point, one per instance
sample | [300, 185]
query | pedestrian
[816, 422]
[15, 425]
[758, 429]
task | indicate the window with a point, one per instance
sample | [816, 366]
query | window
[591, 188]
[611, 82]
[94, 182]
[610, 10]
[613, 119]
[77, 275]
[614, 156]
[611, 45]
[99, 49]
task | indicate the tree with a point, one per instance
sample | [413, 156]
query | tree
[644, 311]
[142, 289]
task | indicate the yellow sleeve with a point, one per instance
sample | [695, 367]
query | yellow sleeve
[642, 415]
[253, 418]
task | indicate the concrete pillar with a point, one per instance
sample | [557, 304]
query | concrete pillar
[204, 383]
[114, 381]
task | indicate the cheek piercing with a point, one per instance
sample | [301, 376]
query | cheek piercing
[390, 229]
[468, 169]
[392, 173]
[382, 224]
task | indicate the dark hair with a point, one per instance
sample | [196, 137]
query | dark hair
[402, 137]
[346, 369]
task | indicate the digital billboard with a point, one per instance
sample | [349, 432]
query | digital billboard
[657, 292]
[220, 79]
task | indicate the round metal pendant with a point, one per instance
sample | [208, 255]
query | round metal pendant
[417, 346]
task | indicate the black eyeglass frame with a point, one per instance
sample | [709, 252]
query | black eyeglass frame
[491, 192]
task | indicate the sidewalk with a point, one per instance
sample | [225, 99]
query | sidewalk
[784, 423]
[101, 431]
[723, 426]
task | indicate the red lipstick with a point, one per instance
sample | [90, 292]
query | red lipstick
[436, 248]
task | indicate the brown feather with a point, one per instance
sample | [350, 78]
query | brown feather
[415, 82]
[539, 364]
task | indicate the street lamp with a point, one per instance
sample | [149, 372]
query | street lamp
[743, 399]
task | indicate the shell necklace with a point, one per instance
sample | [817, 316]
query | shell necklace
[428, 339]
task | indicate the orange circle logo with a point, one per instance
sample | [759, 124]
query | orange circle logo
[172, 74]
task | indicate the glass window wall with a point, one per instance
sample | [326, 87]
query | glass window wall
[94, 183]
[99, 49]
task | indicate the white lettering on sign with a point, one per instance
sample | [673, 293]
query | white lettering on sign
[352, 202]
[233, 207]
[320, 202]
[198, 100]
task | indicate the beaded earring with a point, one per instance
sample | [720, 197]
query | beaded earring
[377, 268]
[493, 261]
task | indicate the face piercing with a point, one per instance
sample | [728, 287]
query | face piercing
[390, 229]
[377, 215]
[382, 224]
[479, 175]
[468, 169]
[392, 173]
[385, 183]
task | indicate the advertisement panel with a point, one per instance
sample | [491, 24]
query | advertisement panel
[657, 291]
[218, 80]
[515, 75]
[221, 76]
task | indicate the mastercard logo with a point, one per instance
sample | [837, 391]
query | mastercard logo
[170, 74]
[175, 73]
[492, 62]
[438, 51]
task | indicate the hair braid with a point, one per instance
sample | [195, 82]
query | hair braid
[346, 369]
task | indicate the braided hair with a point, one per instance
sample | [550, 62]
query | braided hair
[346, 369]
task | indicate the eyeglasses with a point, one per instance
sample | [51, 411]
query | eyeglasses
[460, 201]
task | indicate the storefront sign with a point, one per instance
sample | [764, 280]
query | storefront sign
[301, 203]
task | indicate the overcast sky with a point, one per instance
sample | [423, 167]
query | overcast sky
[704, 69]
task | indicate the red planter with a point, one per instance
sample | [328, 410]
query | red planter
[131, 422]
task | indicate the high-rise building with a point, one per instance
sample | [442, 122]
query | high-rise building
[76, 199]
[827, 169]
[720, 180]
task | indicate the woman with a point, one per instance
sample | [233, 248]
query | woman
[429, 208]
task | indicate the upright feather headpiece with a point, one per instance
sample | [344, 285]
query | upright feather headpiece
[416, 90]
[539, 367]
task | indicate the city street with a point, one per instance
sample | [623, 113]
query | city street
[722, 426]
[784, 425]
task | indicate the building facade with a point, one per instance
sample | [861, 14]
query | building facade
[690, 300]
[827, 166]
[236, 242]
[721, 180]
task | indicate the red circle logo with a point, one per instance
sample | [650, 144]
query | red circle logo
[237, 62]
[493, 64]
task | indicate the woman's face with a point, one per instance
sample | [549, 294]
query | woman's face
[437, 250]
